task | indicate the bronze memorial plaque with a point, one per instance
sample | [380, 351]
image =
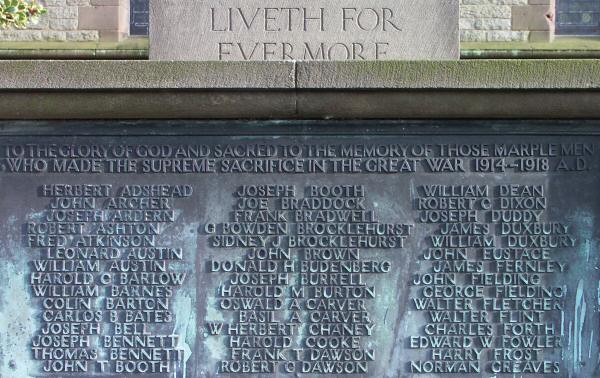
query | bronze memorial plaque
[300, 249]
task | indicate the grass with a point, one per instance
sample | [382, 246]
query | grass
[560, 43]
[561, 47]
[132, 48]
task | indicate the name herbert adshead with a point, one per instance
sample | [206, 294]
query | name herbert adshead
[304, 33]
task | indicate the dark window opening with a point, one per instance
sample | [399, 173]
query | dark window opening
[139, 15]
[578, 17]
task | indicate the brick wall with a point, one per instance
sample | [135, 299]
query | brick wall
[78, 21]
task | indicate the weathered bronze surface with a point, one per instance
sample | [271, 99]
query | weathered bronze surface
[310, 249]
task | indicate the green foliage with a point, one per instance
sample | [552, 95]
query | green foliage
[19, 13]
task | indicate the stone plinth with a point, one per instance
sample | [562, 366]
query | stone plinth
[253, 30]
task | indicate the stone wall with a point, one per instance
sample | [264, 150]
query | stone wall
[108, 20]
[78, 21]
[507, 20]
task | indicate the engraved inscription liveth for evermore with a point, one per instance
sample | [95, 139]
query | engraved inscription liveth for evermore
[275, 30]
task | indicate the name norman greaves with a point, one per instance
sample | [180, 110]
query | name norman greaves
[300, 19]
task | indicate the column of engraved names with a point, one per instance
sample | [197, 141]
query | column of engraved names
[457, 329]
[66, 279]
[102, 262]
[334, 224]
[490, 313]
[260, 334]
[300, 297]
[523, 302]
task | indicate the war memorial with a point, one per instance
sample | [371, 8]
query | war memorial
[300, 188]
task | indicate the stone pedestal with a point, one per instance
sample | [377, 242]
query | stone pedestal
[537, 17]
[276, 30]
[109, 17]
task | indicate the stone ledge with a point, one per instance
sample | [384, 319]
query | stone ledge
[465, 74]
[321, 90]
[507, 74]
[159, 104]
[137, 74]
[301, 104]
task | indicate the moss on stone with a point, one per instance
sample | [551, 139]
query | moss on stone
[471, 74]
